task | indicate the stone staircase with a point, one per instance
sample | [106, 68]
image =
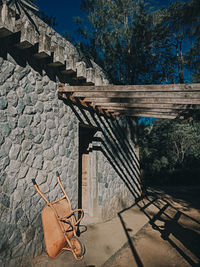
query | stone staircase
[30, 32]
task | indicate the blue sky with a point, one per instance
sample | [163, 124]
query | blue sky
[65, 10]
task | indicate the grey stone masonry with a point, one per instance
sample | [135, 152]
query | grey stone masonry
[39, 135]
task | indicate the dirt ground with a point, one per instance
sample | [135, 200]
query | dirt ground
[161, 230]
[172, 236]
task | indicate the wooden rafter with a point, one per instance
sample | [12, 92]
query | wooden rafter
[160, 101]
[144, 100]
[132, 88]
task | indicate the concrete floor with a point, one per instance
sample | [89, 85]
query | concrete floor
[101, 240]
[160, 231]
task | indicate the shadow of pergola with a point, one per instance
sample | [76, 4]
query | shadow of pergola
[180, 230]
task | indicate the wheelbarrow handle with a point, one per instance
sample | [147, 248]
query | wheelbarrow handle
[34, 182]
[39, 192]
[62, 188]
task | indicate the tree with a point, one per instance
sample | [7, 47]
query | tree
[123, 39]
[168, 146]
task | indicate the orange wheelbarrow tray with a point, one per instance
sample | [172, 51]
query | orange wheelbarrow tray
[60, 225]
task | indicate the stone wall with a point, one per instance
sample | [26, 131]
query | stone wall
[39, 135]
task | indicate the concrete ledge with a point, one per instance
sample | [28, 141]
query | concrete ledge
[28, 35]
[44, 47]
[7, 21]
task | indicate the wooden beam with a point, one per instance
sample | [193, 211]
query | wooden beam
[142, 109]
[178, 95]
[144, 100]
[134, 88]
[101, 110]
[135, 105]
[150, 114]
[152, 110]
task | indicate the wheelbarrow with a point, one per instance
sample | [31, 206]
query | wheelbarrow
[60, 225]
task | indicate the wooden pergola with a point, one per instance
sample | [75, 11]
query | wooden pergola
[156, 101]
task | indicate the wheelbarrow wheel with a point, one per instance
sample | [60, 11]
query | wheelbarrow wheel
[77, 246]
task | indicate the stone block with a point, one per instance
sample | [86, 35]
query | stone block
[7, 69]
[18, 214]
[70, 64]
[12, 98]
[41, 128]
[24, 223]
[3, 117]
[28, 35]
[39, 87]
[18, 250]
[23, 121]
[5, 129]
[39, 107]
[50, 124]
[44, 47]
[29, 89]
[4, 163]
[44, 188]
[48, 107]
[27, 145]
[58, 56]
[90, 76]
[105, 81]
[30, 110]
[38, 139]
[28, 133]
[32, 174]
[98, 79]
[7, 21]
[20, 90]
[30, 233]
[41, 177]
[23, 171]
[17, 136]
[5, 200]
[2, 178]
[38, 162]
[81, 70]
[20, 106]
[49, 154]
[3, 103]
[14, 151]
[30, 158]
[12, 122]
[12, 111]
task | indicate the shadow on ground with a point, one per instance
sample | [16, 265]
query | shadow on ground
[173, 230]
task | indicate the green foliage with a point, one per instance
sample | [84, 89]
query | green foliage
[123, 39]
[137, 43]
[169, 147]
